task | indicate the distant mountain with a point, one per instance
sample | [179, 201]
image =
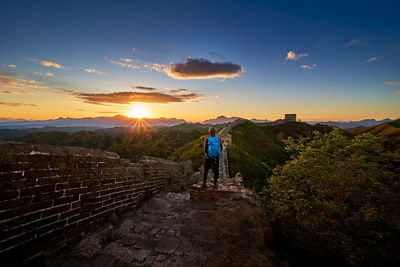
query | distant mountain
[97, 122]
[387, 129]
[351, 124]
[259, 121]
[220, 120]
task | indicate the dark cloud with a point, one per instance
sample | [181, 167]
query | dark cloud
[202, 69]
[144, 88]
[17, 104]
[129, 97]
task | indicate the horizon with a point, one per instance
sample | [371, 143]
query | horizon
[322, 61]
[2, 119]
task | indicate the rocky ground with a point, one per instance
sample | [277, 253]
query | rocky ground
[204, 228]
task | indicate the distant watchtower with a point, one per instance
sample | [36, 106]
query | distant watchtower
[290, 117]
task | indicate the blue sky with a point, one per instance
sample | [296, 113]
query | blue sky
[344, 66]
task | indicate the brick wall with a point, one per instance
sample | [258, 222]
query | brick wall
[49, 194]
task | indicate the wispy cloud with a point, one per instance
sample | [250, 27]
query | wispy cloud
[144, 88]
[397, 92]
[308, 67]
[47, 63]
[50, 74]
[392, 82]
[93, 71]
[4, 92]
[155, 66]
[293, 56]
[125, 65]
[17, 104]
[7, 81]
[12, 66]
[353, 42]
[203, 69]
[372, 59]
[330, 96]
[179, 91]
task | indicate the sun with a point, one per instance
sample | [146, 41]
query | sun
[138, 112]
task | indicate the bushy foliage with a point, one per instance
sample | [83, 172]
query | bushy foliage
[338, 197]
[193, 151]
[257, 149]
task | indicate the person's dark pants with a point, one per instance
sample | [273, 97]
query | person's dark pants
[214, 163]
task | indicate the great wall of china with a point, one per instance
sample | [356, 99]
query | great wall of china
[53, 197]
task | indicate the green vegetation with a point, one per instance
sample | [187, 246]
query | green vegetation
[257, 149]
[337, 199]
[193, 151]
[130, 144]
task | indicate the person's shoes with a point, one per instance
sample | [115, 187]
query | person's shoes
[216, 187]
[203, 187]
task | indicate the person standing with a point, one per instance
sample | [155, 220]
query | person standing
[212, 148]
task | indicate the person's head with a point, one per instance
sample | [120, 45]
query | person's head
[211, 131]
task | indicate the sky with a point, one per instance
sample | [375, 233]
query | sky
[195, 60]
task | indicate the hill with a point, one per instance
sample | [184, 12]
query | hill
[257, 148]
[98, 122]
[128, 143]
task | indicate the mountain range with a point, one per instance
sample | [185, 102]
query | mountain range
[122, 121]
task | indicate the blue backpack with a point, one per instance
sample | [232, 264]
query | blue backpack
[214, 147]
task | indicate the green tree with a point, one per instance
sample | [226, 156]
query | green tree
[338, 198]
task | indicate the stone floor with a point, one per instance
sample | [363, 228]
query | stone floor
[205, 228]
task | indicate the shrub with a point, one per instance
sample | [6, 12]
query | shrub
[338, 198]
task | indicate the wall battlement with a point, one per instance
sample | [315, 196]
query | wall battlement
[49, 194]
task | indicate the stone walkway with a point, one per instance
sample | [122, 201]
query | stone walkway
[204, 228]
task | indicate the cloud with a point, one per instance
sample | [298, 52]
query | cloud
[7, 81]
[203, 69]
[60, 90]
[93, 71]
[129, 97]
[330, 96]
[179, 91]
[15, 93]
[144, 88]
[308, 67]
[392, 82]
[17, 104]
[125, 65]
[12, 66]
[47, 63]
[128, 60]
[352, 42]
[372, 59]
[293, 56]
[397, 92]
[155, 66]
[50, 74]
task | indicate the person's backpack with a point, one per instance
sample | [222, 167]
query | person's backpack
[214, 147]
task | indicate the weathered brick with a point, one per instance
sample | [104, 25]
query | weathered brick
[81, 216]
[40, 173]
[68, 185]
[56, 210]
[37, 190]
[47, 196]
[70, 213]
[8, 195]
[34, 207]
[65, 200]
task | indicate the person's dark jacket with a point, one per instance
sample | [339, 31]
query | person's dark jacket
[206, 144]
